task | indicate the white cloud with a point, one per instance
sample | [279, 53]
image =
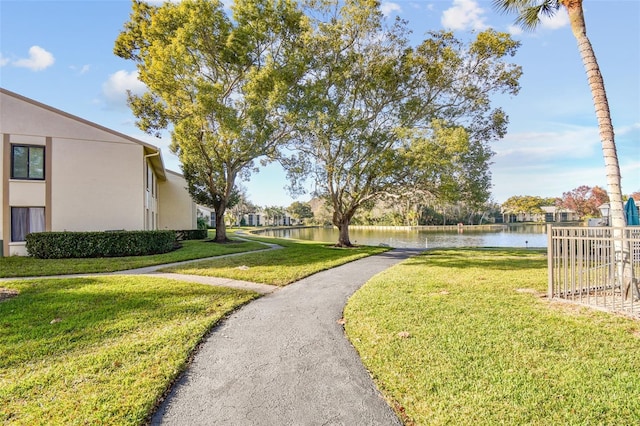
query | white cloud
[38, 60]
[3, 61]
[544, 181]
[387, 8]
[549, 163]
[464, 15]
[545, 147]
[81, 70]
[624, 130]
[514, 30]
[115, 88]
[558, 20]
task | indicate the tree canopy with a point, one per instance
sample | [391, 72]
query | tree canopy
[526, 204]
[377, 116]
[365, 113]
[584, 200]
[218, 82]
[300, 211]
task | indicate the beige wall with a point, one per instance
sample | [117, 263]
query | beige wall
[4, 181]
[18, 193]
[95, 178]
[110, 178]
[176, 209]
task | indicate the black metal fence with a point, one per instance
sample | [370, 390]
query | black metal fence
[596, 266]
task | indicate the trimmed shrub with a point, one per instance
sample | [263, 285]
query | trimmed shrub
[192, 234]
[62, 245]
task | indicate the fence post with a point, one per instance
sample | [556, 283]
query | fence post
[550, 256]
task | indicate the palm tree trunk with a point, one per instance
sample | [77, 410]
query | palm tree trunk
[607, 137]
[596, 84]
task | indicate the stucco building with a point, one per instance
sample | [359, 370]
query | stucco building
[63, 173]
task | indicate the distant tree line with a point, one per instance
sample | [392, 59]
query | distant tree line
[584, 200]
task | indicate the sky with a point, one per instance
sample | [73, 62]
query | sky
[60, 53]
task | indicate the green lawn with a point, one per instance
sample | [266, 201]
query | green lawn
[17, 266]
[296, 260]
[464, 337]
[100, 350]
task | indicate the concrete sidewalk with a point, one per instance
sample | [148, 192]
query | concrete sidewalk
[153, 271]
[284, 360]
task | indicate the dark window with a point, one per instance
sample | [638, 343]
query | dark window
[27, 162]
[25, 220]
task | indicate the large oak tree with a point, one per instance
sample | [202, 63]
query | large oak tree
[377, 116]
[217, 82]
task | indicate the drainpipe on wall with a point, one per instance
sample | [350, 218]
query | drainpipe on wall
[152, 155]
[145, 157]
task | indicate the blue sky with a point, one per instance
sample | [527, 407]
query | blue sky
[60, 53]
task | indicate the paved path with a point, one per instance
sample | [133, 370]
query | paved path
[284, 360]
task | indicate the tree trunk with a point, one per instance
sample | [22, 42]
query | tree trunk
[342, 222]
[596, 84]
[343, 239]
[221, 227]
[605, 126]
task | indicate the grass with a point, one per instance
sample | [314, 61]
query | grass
[463, 337]
[17, 266]
[100, 350]
[294, 261]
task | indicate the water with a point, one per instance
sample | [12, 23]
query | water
[511, 236]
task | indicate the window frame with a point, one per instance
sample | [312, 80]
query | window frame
[29, 226]
[28, 147]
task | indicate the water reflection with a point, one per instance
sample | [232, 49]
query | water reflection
[512, 236]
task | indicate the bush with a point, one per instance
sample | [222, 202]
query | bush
[62, 245]
[202, 223]
[192, 234]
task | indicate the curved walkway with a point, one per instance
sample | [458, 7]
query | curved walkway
[284, 360]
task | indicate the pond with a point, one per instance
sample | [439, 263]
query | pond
[528, 235]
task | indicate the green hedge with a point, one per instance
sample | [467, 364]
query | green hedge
[192, 234]
[61, 245]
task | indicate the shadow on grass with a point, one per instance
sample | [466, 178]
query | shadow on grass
[17, 266]
[291, 255]
[57, 316]
[503, 259]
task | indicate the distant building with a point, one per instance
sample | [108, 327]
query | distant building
[261, 218]
[208, 214]
[549, 214]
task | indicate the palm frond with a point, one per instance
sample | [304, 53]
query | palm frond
[528, 12]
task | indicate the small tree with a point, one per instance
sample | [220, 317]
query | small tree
[300, 211]
[584, 200]
[523, 204]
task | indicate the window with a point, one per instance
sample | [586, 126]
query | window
[27, 162]
[151, 181]
[25, 220]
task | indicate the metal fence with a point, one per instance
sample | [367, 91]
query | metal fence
[596, 266]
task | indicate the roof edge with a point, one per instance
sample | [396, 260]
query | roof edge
[147, 146]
